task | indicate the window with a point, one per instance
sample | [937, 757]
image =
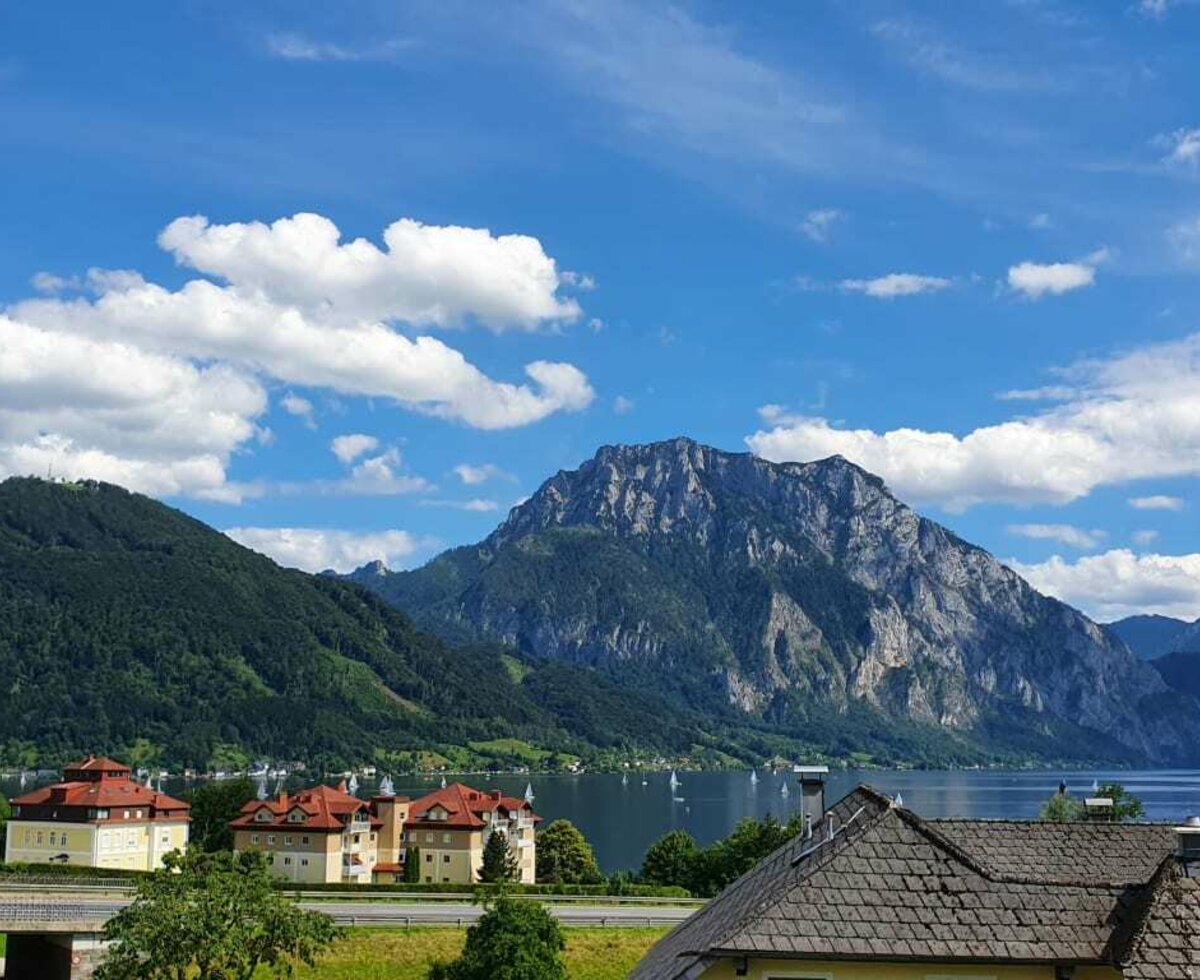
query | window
[429, 838]
[428, 858]
[39, 837]
[139, 814]
[287, 860]
[126, 814]
[428, 879]
[131, 840]
[446, 838]
[254, 838]
[445, 879]
[288, 840]
[270, 838]
[373, 838]
[445, 859]
[304, 840]
[263, 816]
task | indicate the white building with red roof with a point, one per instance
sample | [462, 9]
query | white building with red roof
[97, 816]
[448, 828]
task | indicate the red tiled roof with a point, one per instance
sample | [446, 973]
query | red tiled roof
[324, 808]
[107, 793]
[465, 806]
[388, 868]
[93, 764]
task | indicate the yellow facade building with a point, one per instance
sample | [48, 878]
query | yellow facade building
[99, 817]
[448, 828]
[325, 835]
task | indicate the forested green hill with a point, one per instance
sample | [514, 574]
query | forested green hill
[127, 627]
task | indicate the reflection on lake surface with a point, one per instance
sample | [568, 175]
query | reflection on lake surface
[622, 820]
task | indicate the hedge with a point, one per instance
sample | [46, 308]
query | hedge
[446, 888]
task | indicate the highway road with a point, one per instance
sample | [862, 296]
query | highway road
[394, 914]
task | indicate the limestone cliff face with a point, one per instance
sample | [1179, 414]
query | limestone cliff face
[781, 589]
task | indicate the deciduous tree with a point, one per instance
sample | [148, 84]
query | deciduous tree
[564, 857]
[513, 940]
[211, 917]
[213, 805]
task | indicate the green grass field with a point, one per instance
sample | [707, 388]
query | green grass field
[387, 954]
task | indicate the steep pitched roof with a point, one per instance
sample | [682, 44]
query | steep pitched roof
[465, 807]
[1164, 942]
[878, 882]
[1065, 853]
[324, 808]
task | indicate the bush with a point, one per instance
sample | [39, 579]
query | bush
[512, 941]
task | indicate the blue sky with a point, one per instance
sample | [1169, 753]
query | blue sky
[958, 243]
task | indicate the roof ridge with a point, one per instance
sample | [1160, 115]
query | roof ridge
[822, 856]
[959, 853]
[1125, 938]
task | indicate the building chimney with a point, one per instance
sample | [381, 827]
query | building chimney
[812, 791]
[1187, 839]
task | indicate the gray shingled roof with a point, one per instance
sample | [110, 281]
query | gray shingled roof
[891, 886]
[1165, 944]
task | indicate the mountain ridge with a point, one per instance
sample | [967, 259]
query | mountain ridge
[130, 628]
[790, 591]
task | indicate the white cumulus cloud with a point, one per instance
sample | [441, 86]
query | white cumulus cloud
[426, 275]
[1120, 583]
[156, 388]
[349, 447]
[895, 284]
[318, 549]
[1133, 416]
[474, 475]
[1067, 534]
[1036, 280]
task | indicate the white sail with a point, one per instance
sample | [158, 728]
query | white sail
[624, 779]
[674, 779]
[529, 792]
[262, 790]
[753, 777]
[784, 791]
[443, 782]
[352, 786]
[386, 787]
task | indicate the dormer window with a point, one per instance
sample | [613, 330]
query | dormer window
[297, 816]
[263, 816]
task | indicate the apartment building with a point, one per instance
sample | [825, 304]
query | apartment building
[96, 816]
[449, 827]
[324, 834]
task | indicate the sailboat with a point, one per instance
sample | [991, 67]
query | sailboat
[753, 777]
[352, 786]
[784, 791]
[262, 789]
[674, 780]
[624, 779]
[443, 782]
[386, 787]
[529, 793]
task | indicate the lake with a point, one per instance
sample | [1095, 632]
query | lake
[622, 821]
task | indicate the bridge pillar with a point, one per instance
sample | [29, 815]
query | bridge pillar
[52, 956]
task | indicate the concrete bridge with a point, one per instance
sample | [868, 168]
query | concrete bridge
[55, 932]
[51, 939]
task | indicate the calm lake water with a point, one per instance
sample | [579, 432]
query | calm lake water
[622, 821]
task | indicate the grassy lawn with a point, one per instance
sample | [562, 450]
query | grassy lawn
[397, 954]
